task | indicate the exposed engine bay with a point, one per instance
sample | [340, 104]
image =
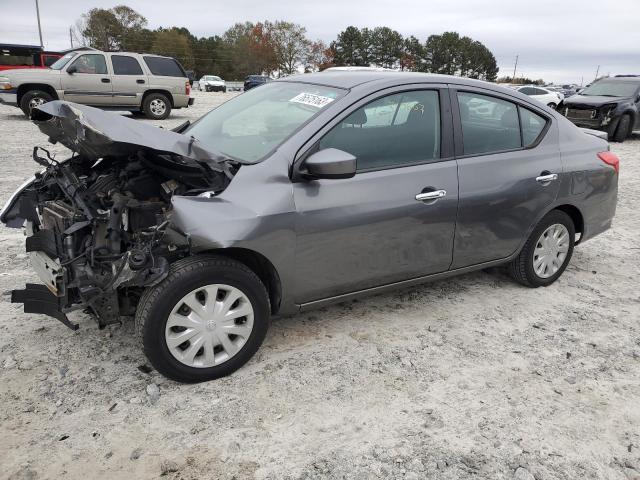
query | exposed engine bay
[98, 225]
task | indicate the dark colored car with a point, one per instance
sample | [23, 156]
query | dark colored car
[610, 104]
[255, 81]
[311, 190]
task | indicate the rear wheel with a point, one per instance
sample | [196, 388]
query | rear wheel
[33, 99]
[156, 106]
[205, 320]
[547, 252]
[623, 129]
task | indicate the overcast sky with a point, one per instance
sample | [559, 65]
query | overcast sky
[559, 40]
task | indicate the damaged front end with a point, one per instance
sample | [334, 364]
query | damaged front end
[98, 224]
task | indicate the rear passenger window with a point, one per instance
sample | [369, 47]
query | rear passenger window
[532, 126]
[123, 65]
[395, 130]
[164, 67]
[488, 124]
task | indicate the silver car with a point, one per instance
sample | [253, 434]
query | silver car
[141, 83]
[310, 190]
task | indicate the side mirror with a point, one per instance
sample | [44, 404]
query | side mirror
[330, 163]
[71, 70]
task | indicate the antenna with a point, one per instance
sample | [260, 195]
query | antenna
[39, 29]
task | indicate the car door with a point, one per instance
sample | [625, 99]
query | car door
[129, 81]
[394, 220]
[87, 80]
[508, 168]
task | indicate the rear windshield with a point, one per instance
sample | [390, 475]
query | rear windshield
[611, 89]
[164, 67]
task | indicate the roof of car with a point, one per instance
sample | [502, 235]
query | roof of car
[350, 79]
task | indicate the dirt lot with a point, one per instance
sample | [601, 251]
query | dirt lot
[474, 377]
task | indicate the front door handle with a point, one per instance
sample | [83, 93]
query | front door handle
[140, 81]
[105, 80]
[433, 195]
[549, 177]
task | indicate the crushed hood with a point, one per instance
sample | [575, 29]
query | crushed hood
[94, 133]
[591, 100]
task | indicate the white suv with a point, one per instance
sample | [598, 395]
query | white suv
[144, 83]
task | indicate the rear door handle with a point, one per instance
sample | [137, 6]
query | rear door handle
[105, 80]
[550, 177]
[139, 81]
[434, 195]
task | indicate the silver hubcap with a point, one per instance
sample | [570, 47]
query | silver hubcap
[157, 106]
[36, 102]
[209, 325]
[551, 250]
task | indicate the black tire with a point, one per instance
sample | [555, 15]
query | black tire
[31, 95]
[152, 113]
[224, 90]
[623, 129]
[521, 268]
[185, 276]
[552, 105]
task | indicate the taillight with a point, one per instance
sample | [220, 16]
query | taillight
[187, 88]
[610, 158]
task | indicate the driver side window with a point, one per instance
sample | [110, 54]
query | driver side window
[90, 63]
[392, 131]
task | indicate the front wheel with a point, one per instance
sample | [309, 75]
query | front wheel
[205, 320]
[33, 99]
[547, 252]
[623, 129]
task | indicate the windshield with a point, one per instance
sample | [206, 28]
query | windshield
[212, 78]
[254, 123]
[62, 61]
[611, 89]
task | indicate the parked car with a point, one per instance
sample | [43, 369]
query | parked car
[543, 95]
[610, 104]
[212, 83]
[26, 56]
[308, 191]
[150, 84]
[255, 81]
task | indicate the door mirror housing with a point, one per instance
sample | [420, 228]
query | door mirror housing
[71, 70]
[329, 163]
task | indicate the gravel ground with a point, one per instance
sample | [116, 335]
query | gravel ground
[473, 377]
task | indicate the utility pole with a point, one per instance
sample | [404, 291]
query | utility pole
[597, 72]
[39, 28]
[513, 79]
[70, 37]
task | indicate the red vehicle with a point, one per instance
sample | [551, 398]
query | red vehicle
[25, 56]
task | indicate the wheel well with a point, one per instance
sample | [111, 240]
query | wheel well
[262, 267]
[163, 92]
[22, 89]
[576, 217]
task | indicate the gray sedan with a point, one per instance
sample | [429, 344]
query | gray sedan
[307, 191]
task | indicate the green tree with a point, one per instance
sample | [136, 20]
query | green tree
[385, 47]
[413, 54]
[347, 47]
[174, 43]
[290, 45]
[451, 54]
[111, 29]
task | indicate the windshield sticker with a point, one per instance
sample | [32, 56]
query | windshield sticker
[317, 101]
